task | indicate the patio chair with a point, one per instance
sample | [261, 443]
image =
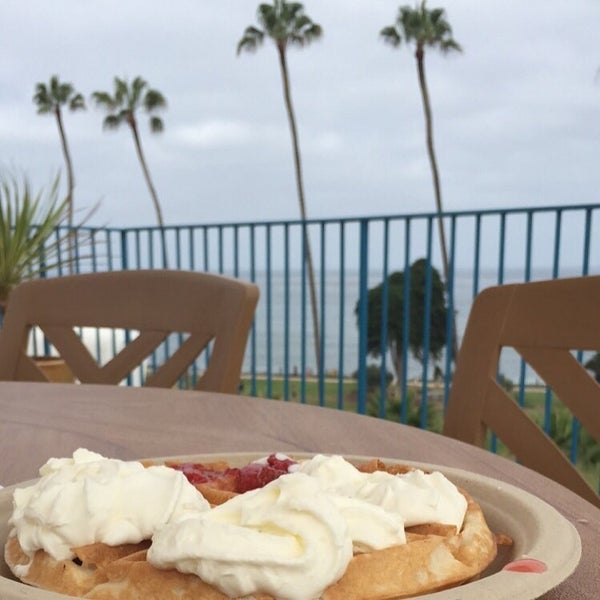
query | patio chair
[545, 322]
[202, 307]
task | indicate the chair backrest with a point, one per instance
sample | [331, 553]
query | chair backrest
[544, 322]
[202, 307]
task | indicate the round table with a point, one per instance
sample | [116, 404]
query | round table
[40, 420]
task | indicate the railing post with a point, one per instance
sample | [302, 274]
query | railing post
[303, 280]
[341, 326]
[323, 320]
[253, 340]
[363, 311]
[385, 298]
[405, 322]
[426, 328]
[286, 312]
[269, 315]
[124, 254]
[451, 332]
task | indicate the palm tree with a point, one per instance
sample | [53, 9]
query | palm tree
[121, 108]
[50, 99]
[287, 24]
[425, 28]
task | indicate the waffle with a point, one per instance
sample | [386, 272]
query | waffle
[435, 557]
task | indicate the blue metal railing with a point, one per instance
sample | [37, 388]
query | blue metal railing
[485, 247]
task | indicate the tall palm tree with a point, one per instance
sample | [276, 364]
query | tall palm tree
[287, 25]
[50, 99]
[425, 28]
[121, 107]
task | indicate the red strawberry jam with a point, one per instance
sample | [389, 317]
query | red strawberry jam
[257, 475]
[250, 477]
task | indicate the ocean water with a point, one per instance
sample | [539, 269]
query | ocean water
[266, 351]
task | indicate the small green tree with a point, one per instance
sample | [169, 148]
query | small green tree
[50, 99]
[416, 320]
[287, 25]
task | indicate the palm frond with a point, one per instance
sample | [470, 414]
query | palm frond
[77, 102]
[27, 222]
[125, 115]
[251, 40]
[136, 92]
[154, 100]
[449, 45]
[104, 100]
[305, 32]
[291, 12]
[156, 125]
[44, 108]
[267, 16]
[63, 92]
[411, 23]
[42, 99]
[121, 92]
[391, 36]
[54, 83]
[437, 16]
[112, 121]
[139, 83]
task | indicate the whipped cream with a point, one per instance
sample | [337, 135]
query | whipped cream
[287, 539]
[414, 498]
[89, 498]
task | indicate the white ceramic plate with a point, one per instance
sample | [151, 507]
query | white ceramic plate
[537, 529]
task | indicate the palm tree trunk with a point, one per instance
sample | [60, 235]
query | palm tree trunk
[69, 164]
[420, 55]
[70, 187]
[397, 362]
[153, 194]
[300, 189]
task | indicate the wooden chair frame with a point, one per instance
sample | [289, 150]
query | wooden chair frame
[544, 322]
[204, 307]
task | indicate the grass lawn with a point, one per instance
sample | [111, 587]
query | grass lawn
[276, 390]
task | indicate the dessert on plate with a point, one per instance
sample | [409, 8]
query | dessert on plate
[313, 529]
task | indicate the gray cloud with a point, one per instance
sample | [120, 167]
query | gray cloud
[517, 115]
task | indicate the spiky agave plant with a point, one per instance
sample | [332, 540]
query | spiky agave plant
[30, 240]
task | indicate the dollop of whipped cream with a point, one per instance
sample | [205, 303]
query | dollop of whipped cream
[286, 539]
[414, 497]
[89, 498]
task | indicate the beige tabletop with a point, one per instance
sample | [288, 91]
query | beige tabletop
[42, 420]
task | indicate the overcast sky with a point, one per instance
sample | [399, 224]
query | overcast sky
[516, 115]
